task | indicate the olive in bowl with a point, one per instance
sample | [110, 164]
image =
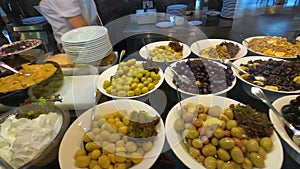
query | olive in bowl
[31, 134]
[44, 80]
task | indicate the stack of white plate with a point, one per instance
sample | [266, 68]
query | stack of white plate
[87, 44]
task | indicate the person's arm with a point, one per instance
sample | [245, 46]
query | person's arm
[77, 21]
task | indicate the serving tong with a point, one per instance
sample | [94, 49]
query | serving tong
[4, 65]
[149, 64]
[260, 94]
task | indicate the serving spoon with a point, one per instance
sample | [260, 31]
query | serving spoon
[228, 62]
[5, 33]
[4, 65]
[260, 94]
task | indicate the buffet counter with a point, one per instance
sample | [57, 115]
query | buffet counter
[221, 28]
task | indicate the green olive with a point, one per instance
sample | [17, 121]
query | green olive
[209, 150]
[202, 116]
[192, 134]
[214, 141]
[227, 166]
[178, 125]
[230, 124]
[226, 143]
[195, 153]
[197, 143]
[210, 162]
[188, 117]
[235, 165]
[266, 143]
[256, 159]
[237, 154]
[252, 145]
[247, 164]
[219, 133]
[223, 154]
[261, 151]
[229, 113]
[220, 163]
[236, 132]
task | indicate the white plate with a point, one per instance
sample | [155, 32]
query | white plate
[169, 79]
[279, 126]
[213, 13]
[77, 92]
[72, 139]
[198, 46]
[274, 158]
[195, 23]
[84, 34]
[164, 24]
[33, 43]
[245, 60]
[106, 75]
[250, 38]
[144, 52]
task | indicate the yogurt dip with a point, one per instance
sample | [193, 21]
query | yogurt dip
[22, 139]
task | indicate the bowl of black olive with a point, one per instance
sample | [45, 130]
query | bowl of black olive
[282, 77]
[205, 77]
[289, 107]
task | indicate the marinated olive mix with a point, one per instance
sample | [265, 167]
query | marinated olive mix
[280, 75]
[291, 112]
[208, 77]
[216, 138]
[117, 140]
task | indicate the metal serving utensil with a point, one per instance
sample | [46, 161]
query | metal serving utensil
[4, 65]
[5, 33]
[149, 64]
[228, 62]
[260, 94]
[97, 96]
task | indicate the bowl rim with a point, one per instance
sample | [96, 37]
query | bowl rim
[169, 73]
[264, 58]
[212, 42]
[279, 125]
[143, 52]
[112, 70]
[84, 117]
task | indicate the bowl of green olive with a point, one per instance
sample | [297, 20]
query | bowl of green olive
[117, 138]
[217, 132]
[129, 80]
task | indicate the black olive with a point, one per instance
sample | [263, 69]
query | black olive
[285, 109]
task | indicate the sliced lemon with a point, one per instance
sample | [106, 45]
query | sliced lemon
[297, 79]
[259, 83]
[244, 76]
[272, 87]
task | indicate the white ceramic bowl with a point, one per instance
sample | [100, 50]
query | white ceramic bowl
[245, 43]
[51, 133]
[169, 79]
[272, 93]
[291, 147]
[72, 139]
[106, 75]
[84, 34]
[144, 52]
[274, 158]
[198, 46]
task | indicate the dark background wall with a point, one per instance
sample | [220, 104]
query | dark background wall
[112, 9]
